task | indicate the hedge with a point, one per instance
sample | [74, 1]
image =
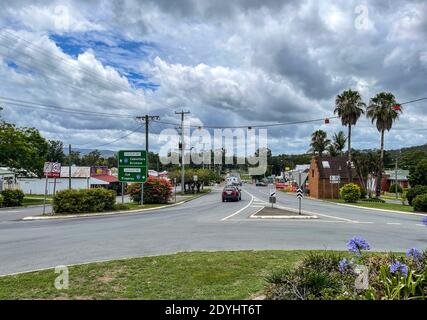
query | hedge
[350, 192]
[12, 197]
[420, 203]
[1, 200]
[84, 200]
[415, 191]
[156, 191]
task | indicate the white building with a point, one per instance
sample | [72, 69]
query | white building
[80, 179]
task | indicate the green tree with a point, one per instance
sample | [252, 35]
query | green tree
[418, 174]
[93, 158]
[381, 111]
[349, 107]
[73, 158]
[366, 163]
[319, 142]
[22, 149]
[55, 151]
[339, 141]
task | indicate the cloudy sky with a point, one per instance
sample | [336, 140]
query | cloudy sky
[229, 62]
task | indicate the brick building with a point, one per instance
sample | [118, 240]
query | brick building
[321, 169]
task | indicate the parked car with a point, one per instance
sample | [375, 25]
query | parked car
[261, 184]
[231, 193]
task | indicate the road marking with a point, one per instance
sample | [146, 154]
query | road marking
[240, 210]
[394, 223]
[420, 225]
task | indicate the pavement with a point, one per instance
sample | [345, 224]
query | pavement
[205, 224]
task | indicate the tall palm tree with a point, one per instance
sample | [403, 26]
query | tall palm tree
[319, 142]
[381, 111]
[349, 107]
[339, 141]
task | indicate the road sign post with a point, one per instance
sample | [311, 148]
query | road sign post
[50, 170]
[133, 168]
[334, 180]
[272, 198]
[300, 195]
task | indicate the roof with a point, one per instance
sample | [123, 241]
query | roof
[4, 171]
[332, 166]
[302, 167]
[106, 178]
[402, 175]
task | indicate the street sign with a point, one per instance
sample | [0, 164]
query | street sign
[52, 169]
[334, 179]
[195, 178]
[133, 166]
[300, 194]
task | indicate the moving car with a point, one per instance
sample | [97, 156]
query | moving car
[261, 184]
[231, 193]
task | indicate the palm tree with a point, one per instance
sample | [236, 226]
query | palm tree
[381, 111]
[319, 142]
[339, 141]
[349, 107]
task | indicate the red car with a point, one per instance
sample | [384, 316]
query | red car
[231, 193]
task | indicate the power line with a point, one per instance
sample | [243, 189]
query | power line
[32, 105]
[10, 36]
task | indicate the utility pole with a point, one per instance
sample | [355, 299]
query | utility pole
[395, 177]
[182, 113]
[147, 120]
[69, 166]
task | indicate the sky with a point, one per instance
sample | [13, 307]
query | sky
[230, 63]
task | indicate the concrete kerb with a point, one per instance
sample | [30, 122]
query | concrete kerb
[368, 208]
[109, 213]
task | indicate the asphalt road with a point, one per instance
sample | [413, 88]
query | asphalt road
[202, 224]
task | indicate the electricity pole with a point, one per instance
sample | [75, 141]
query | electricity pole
[182, 113]
[147, 120]
[69, 167]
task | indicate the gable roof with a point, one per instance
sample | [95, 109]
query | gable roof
[332, 166]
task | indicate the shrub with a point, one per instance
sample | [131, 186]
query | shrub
[420, 203]
[350, 192]
[1, 200]
[156, 191]
[393, 187]
[418, 174]
[12, 197]
[84, 200]
[415, 191]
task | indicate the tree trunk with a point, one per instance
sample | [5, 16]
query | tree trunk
[350, 171]
[380, 173]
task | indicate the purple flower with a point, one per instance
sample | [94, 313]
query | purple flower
[398, 267]
[344, 265]
[425, 221]
[357, 244]
[414, 253]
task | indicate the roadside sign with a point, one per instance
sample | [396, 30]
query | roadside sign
[133, 166]
[52, 169]
[300, 178]
[334, 179]
[195, 178]
[300, 194]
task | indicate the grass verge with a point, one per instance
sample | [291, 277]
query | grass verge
[378, 205]
[191, 275]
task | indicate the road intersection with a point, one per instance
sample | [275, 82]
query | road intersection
[205, 224]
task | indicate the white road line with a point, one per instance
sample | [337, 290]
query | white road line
[240, 210]
[420, 225]
[394, 223]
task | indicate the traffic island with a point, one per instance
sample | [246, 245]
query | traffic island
[281, 213]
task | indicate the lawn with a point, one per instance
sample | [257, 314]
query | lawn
[191, 275]
[31, 201]
[378, 205]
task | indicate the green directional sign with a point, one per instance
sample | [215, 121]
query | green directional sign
[133, 166]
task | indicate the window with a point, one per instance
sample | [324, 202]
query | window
[312, 173]
[325, 164]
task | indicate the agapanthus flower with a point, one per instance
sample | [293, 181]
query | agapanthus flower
[344, 265]
[414, 253]
[398, 267]
[357, 244]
